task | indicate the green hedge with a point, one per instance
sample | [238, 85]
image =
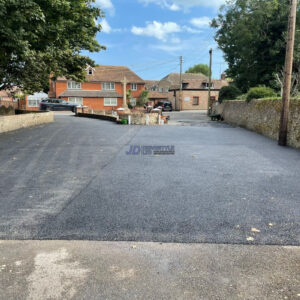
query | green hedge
[230, 92]
[260, 92]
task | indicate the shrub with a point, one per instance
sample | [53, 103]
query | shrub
[242, 97]
[260, 92]
[142, 99]
[230, 92]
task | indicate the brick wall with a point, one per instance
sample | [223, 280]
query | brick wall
[188, 96]
[97, 103]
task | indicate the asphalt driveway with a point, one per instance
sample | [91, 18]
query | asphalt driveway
[73, 180]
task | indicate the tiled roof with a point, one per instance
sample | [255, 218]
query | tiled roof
[111, 74]
[90, 94]
[157, 95]
[151, 83]
[194, 84]
[174, 78]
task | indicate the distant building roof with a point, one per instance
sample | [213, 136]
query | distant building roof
[150, 84]
[90, 94]
[38, 96]
[111, 74]
[174, 78]
[157, 95]
[193, 81]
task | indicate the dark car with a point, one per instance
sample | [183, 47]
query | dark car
[57, 104]
[165, 105]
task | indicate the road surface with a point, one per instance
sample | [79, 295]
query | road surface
[73, 180]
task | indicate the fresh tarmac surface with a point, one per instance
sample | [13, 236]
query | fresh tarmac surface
[73, 180]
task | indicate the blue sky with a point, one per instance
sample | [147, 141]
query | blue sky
[149, 35]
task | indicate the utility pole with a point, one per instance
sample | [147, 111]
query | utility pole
[180, 84]
[209, 82]
[288, 70]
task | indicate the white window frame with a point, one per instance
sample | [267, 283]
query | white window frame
[133, 86]
[110, 101]
[73, 85]
[108, 86]
[76, 100]
[206, 85]
[35, 101]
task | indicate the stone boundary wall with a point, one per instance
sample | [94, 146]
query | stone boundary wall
[136, 118]
[10, 123]
[95, 116]
[262, 116]
[144, 119]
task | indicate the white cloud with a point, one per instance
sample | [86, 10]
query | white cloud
[106, 5]
[185, 4]
[191, 30]
[105, 26]
[174, 7]
[201, 22]
[157, 30]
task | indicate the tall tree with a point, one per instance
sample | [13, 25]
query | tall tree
[200, 68]
[252, 35]
[43, 37]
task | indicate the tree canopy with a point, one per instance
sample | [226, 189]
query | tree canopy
[252, 35]
[200, 68]
[43, 37]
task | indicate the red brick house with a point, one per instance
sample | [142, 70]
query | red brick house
[103, 89]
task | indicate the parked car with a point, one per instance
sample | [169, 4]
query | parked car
[57, 104]
[165, 105]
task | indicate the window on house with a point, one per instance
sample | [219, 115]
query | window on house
[90, 71]
[34, 102]
[76, 100]
[133, 87]
[195, 100]
[72, 85]
[161, 90]
[206, 85]
[167, 89]
[108, 86]
[133, 101]
[110, 101]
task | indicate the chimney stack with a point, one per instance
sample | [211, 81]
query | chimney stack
[223, 76]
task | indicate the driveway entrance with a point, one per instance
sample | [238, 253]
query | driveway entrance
[190, 118]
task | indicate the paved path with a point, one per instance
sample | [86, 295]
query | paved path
[192, 118]
[73, 180]
[122, 270]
